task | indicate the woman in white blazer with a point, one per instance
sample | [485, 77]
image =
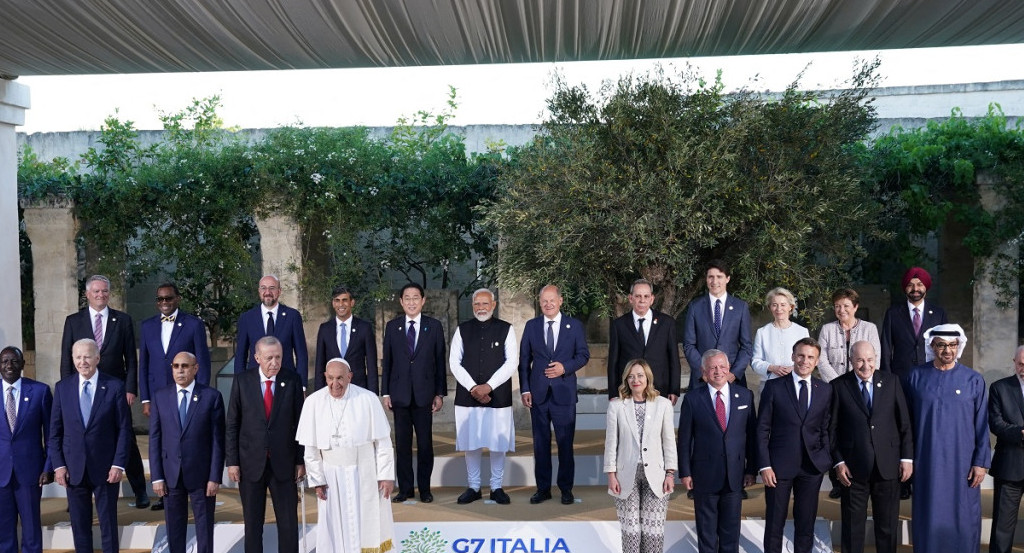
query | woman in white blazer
[640, 458]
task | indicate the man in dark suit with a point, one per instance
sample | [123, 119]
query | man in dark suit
[872, 448]
[90, 433]
[413, 385]
[553, 348]
[718, 321]
[717, 443]
[114, 334]
[186, 452]
[271, 318]
[903, 344]
[793, 447]
[1006, 420]
[261, 453]
[905, 322]
[646, 334]
[24, 467]
[350, 338]
[163, 336]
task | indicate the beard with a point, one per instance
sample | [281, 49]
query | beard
[483, 317]
[915, 296]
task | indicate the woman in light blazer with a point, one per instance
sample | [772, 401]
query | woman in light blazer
[640, 459]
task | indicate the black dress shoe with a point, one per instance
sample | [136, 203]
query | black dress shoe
[833, 493]
[689, 494]
[567, 498]
[744, 494]
[540, 497]
[158, 505]
[500, 497]
[402, 497]
[905, 493]
[141, 502]
[427, 497]
[469, 496]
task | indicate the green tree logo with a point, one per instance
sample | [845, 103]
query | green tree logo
[424, 541]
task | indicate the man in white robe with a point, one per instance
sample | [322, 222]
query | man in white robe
[483, 357]
[350, 462]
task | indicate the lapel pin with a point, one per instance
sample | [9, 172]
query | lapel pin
[113, 320]
[878, 385]
[423, 328]
[730, 308]
[353, 330]
[958, 392]
[495, 344]
[26, 399]
[282, 384]
[179, 324]
[736, 395]
[655, 321]
[195, 398]
[283, 313]
[567, 325]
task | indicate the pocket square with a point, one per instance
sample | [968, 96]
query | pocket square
[742, 407]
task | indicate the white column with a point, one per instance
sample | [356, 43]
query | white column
[14, 100]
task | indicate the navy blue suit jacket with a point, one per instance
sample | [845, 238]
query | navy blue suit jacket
[194, 453]
[23, 451]
[570, 350]
[734, 340]
[189, 335]
[421, 376]
[902, 350]
[287, 328]
[661, 351]
[361, 353]
[94, 447]
[117, 356]
[711, 457]
[786, 431]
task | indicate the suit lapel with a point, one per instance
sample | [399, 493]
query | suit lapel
[705, 401]
[192, 405]
[1018, 398]
[176, 329]
[795, 399]
[852, 386]
[97, 400]
[629, 410]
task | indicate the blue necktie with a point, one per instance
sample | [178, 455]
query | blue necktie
[183, 407]
[802, 396]
[865, 394]
[85, 402]
[549, 339]
[342, 339]
[410, 337]
[718, 318]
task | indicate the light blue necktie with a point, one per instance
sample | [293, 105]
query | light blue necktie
[183, 407]
[85, 401]
[342, 339]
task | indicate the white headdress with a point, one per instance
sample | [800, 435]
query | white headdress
[948, 331]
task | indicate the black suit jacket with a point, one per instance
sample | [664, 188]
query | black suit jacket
[706, 453]
[863, 440]
[250, 436]
[661, 352]
[785, 433]
[1006, 420]
[117, 356]
[902, 350]
[421, 376]
[361, 353]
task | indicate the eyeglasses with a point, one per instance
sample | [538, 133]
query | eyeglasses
[945, 345]
[181, 366]
[165, 299]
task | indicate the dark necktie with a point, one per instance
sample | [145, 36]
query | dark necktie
[268, 398]
[718, 318]
[549, 339]
[720, 410]
[865, 394]
[917, 321]
[183, 407]
[410, 337]
[802, 396]
[270, 323]
[640, 331]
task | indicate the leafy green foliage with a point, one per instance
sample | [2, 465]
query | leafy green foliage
[657, 174]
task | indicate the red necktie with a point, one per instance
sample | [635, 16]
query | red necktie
[720, 410]
[268, 398]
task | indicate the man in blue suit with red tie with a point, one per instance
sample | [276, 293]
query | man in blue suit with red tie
[794, 448]
[413, 383]
[271, 318]
[90, 433]
[717, 445]
[24, 469]
[553, 348]
[186, 453]
[720, 321]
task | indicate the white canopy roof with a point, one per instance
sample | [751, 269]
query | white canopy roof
[55, 37]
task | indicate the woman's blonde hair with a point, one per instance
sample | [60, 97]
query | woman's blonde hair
[650, 392]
